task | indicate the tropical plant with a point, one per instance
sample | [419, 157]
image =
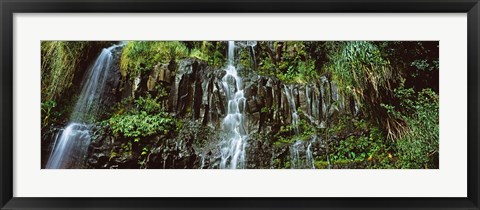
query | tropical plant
[360, 70]
[418, 148]
[146, 118]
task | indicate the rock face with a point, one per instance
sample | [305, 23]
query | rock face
[196, 93]
[196, 97]
[268, 107]
[189, 149]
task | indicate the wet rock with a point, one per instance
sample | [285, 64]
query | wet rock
[196, 93]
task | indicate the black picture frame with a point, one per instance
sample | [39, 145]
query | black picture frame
[10, 7]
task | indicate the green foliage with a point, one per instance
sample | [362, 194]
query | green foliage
[149, 105]
[60, 61]
[360, 148]
[139, 56]
[146, 119]
[210, 51]
[136, 121]
[359, 69]
[265, 110]
[417, 59]
[369, 71]
[301, 72]
[198, 54]
[306, 129]
[321, 164]
[288, 61]
[47, 114]
[245, 59]
[287, 135]
[140, 125]
[127, 148]
[360, 143]
[418, 148]
[142, 56]
[143, 158]
[268, 68]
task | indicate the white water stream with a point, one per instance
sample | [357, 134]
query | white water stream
[71, 143]
[234, 143]
[298, 148]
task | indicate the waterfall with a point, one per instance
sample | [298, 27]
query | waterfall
[231, 53]
[293, 108]
[298, 148]
[251, 45]
[70, 146]
[309, 155]
[74, 137]
[234, 142]
[312, 103]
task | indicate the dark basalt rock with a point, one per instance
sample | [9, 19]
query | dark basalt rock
[196, 93]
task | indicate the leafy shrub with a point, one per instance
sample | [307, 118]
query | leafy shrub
[418, 148]
[145, 119]
[149, 105]
[140, 124]
[360, 148]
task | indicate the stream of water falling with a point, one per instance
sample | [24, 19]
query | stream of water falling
[234, 142]
[71, 144]
[299, 146]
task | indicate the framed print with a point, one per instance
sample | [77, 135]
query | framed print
[239, 105]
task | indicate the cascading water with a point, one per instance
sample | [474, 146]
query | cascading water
[235, 141]
[293, 108]
[70, 146]
[299, 146]
[312, 104]
[251, 45]
[309, 155]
